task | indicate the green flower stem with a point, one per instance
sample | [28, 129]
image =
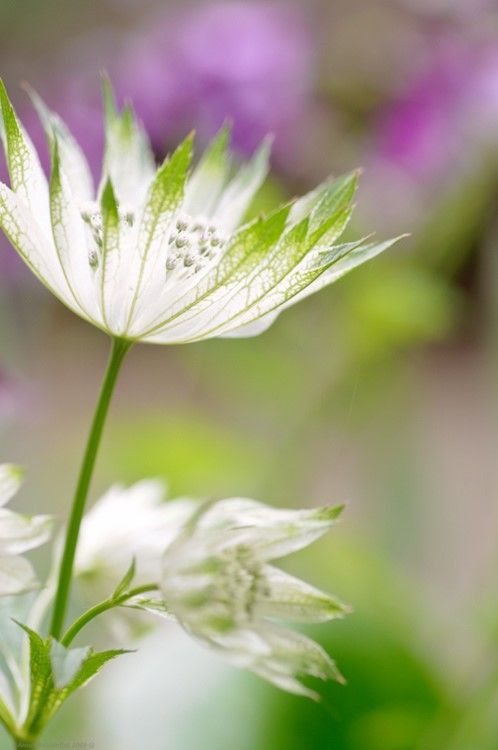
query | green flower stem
[118, 351]
[98, 609]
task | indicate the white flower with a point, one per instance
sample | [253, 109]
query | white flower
[130, 523]
[164, 256]
[18, 534]
[218, 584]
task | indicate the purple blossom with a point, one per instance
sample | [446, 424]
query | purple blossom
[249, 62]
[446, 110]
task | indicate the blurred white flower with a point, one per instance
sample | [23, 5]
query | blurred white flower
[130, 522]
[164, 256]
[219, 586]
[18, 534]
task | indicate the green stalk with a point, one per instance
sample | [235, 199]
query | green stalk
[98, 609]
[118, 351]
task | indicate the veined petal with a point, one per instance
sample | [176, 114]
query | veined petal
[307, 279]
[70, 238]
[10, 481]
[209, 177]
[278, 655]
[340, 261]
[272, 273]
[26, 175]
[111, 301]
[34, 247]
[289, 598]
[191, 312]
[20, 533]
[294, 655]
[278, 267]
[128, 159]
[273, 532]
[73, 161]
[164, 198]
[237, 197]
[16, 575]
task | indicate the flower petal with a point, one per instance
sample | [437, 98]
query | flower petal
[164, 198]
[189, 315]
[272, 532]
[26, 175]
[20, 533]
[209, 177]
[10, 481]
[128, 159]
[289, 598]
[16, 575]
[70, 238]
[237, 197]
[73, 160]
[36, 250]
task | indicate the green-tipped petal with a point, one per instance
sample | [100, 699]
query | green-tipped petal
[289, 598]
[240, 192]
[74, 163]
[209, 177]
[27, 179]
[70, 240]
[10, 480]
[128, 159]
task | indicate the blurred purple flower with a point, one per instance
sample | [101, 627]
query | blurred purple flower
[249, 62]
[447, 109]
[419, 133]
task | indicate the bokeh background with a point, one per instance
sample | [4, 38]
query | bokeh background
[381, 391]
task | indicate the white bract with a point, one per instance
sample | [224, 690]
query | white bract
[130, 523]
[18, 534]
[165, 255]
[218, 583]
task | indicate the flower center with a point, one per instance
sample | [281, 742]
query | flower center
[242, 581]
[192, 245]
[91, 214]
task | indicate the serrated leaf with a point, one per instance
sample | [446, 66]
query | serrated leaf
[55, 674]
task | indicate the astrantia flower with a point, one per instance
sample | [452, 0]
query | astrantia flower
[18, 534]
[218, 583]
[164, 256]
[130, 523]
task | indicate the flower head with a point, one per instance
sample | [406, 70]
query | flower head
[218, 583]
[18, 534]
[130, 523]
[165, 256]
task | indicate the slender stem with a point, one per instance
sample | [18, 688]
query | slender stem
[118, 351]
[97, 610]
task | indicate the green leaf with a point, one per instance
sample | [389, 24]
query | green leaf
[56, 673]
[124, 584]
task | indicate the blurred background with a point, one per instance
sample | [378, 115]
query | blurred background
[381, 391]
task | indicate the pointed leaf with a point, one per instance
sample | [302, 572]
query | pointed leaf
[124, 584]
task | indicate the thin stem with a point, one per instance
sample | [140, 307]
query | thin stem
[118, 351]
[98, 609]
